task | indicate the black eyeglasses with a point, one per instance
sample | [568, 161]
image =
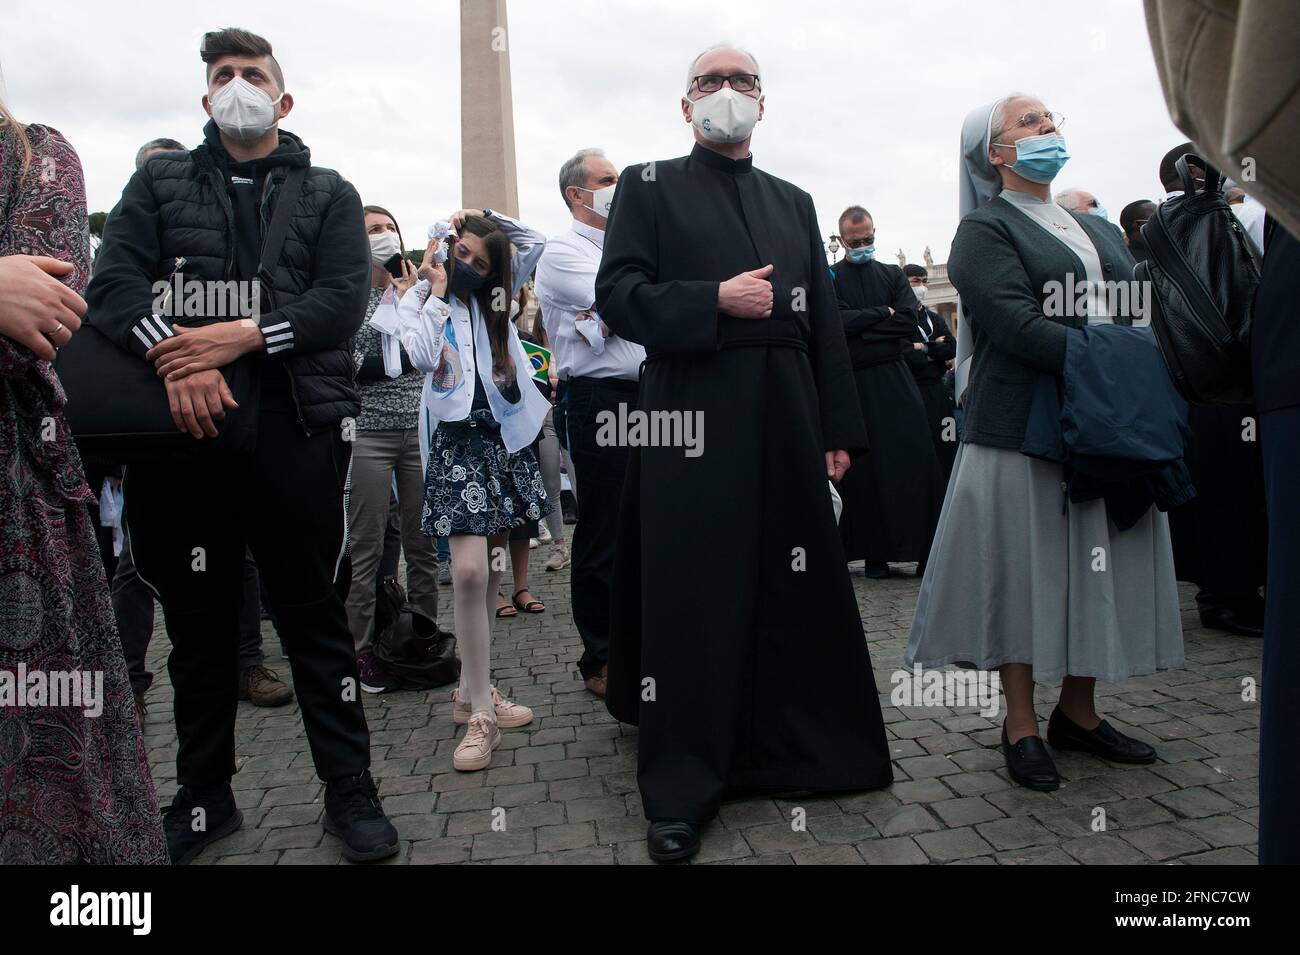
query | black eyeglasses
[712, 82]
[858, 243]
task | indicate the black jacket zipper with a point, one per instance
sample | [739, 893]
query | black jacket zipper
[261, 215]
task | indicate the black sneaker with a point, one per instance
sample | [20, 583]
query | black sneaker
[198, 817]
[354, 814]
[374, 678]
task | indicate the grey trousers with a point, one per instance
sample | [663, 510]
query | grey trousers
[376, 457]
[548, 458]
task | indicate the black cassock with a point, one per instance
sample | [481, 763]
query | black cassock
[735, 639]
[928, 368]
[893, 496]
[1220, 537]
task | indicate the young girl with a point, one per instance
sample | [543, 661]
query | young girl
[479, 416]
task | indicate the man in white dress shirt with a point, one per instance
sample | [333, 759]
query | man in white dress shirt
[1249, 210]
[602, 371]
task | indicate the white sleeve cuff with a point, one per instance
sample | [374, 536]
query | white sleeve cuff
[279, 337]
[151, 330]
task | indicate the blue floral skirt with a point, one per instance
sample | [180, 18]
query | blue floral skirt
[475, 486]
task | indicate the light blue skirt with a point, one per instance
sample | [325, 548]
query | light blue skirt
[1017, 576]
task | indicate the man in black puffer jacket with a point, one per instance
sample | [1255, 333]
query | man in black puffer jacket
[273, 480]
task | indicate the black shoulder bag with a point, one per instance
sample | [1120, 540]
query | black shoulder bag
[117, 406]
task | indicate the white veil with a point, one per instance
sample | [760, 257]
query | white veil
[978, 182]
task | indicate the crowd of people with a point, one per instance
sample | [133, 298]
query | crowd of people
[376, 403]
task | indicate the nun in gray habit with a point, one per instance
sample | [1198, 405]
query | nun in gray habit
[1020, 579]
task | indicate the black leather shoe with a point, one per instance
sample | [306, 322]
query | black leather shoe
[354, 814]
[1105, 741]
[876, 569]
[669, 840]
[1221, 618]
[198, 817]
[1030, 764]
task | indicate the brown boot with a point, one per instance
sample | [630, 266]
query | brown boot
[596, 684]
[263, 687]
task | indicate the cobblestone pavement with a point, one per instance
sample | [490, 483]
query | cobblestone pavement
[565, 786]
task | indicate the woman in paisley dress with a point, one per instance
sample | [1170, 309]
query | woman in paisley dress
[74, 780]
[482, 478]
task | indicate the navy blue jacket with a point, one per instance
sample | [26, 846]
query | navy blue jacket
[1115, 421]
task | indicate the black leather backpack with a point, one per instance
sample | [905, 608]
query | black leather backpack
[410, 648]
[1202, 276]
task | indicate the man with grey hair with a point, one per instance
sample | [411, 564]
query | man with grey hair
[735, 641]
[163, 145]
[1084, 203]
[1081, 201]
[602, 370]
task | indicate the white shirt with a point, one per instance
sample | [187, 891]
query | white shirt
[566, 285]
[1057, 222]
[1251, 214]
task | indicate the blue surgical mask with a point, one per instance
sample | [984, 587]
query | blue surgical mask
[1039, 158]
[858, 256]
[1099, 210]
[465, 278]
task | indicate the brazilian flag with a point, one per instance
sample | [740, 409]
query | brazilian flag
[541, 359]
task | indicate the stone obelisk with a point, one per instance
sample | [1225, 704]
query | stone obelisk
[487, 125]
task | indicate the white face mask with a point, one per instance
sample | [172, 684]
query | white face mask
[920, 291]
[725, 116]
[383, 246]
[601, 200]
[242, 111]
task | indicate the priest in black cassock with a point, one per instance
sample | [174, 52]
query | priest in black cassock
[736, 643]
[893, 496]
[927, 354]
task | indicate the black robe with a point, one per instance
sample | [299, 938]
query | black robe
[928, 368]
[1220, 538]
[893, 496]
[731, 598]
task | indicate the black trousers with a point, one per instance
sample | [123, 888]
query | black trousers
[133, 609]
[560, 417]
[1279, 723]
[191, 518]
[599, 486]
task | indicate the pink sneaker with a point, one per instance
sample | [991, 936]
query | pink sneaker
[509, 715]
[475, 750]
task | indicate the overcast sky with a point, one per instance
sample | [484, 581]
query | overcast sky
[864, 99]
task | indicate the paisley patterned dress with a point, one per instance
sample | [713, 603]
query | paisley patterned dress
[74, 779]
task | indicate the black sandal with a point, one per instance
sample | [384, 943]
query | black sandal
[532, 606]
[506, 611]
